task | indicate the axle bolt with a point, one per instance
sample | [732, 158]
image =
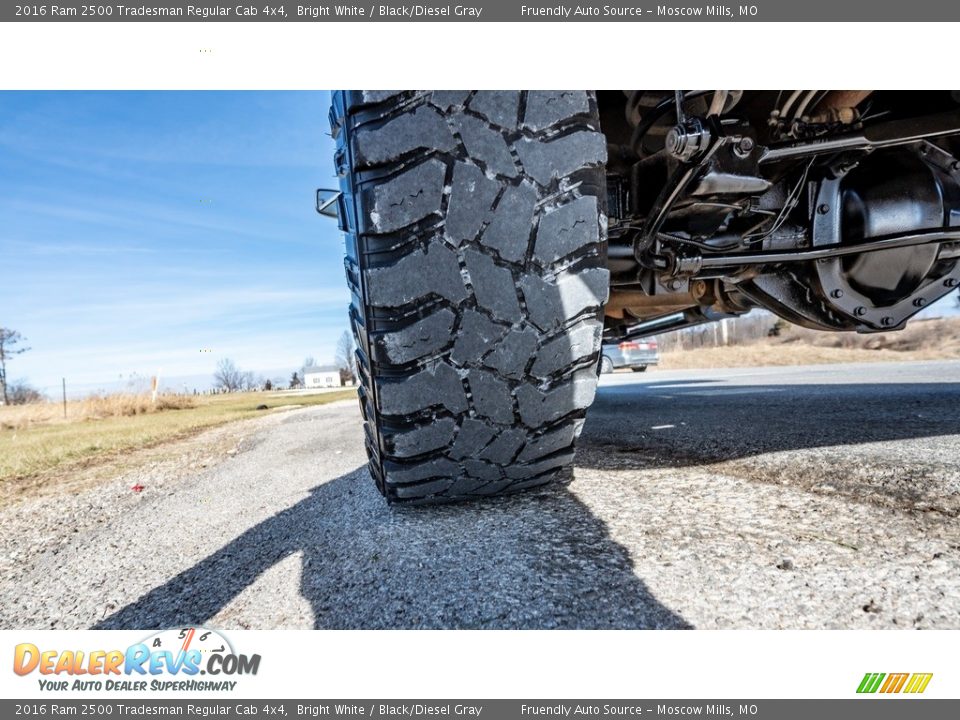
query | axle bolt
[886, 321]
[919, 302]
[744, 147]
[950, 282]
[860, 311]
[838, 293]
[687, 141]
[823, 209]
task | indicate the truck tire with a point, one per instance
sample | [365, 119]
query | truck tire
[476, 257]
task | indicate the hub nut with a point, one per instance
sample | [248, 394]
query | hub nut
[685, 142]
[744, 147]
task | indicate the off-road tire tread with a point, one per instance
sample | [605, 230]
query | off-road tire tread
[476, 257]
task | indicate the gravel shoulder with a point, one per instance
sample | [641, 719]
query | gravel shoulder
[785, 498]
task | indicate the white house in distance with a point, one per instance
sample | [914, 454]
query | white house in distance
[323, 376]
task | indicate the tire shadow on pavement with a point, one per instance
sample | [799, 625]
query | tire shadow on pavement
[538, 559]
[808, 435]
[703, 419]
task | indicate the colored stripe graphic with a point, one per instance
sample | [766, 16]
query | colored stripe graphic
[918, 682]
[895, 683]
[870, 682]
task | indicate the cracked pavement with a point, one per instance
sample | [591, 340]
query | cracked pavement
[807, 497]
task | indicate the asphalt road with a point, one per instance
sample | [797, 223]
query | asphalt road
[814, 497]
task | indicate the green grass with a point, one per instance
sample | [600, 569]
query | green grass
[45, 448]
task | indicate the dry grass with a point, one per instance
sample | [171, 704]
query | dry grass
[36, 442]
[940, 337]
[922, 340]
[94, 407]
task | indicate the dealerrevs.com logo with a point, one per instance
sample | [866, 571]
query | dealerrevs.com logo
[170, 660]
[909, 683]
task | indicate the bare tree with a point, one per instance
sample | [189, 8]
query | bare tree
[20, 393]
[9, 340]
[295, 381]
[345, 359]
[228, 376]
[308, 362]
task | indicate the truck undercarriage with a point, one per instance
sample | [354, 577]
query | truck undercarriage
[836, 210]
[496, 240]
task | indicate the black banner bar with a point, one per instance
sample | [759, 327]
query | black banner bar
[480, 11]
[866, 708]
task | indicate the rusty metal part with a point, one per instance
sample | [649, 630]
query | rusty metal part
[836, 99]
[719, 297]
[843, 115]
[640, 304]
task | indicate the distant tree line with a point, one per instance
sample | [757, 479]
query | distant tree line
[15, 392]
[731, 331]
[346, 359]
[230, 378]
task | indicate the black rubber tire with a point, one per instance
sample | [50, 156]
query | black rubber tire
[640, 368]
[606, 365]
[476, 256]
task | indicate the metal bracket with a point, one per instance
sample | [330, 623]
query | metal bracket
[883, 135]
[679, 181]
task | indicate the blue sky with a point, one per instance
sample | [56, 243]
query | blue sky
[137, 229]
[141, 228]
